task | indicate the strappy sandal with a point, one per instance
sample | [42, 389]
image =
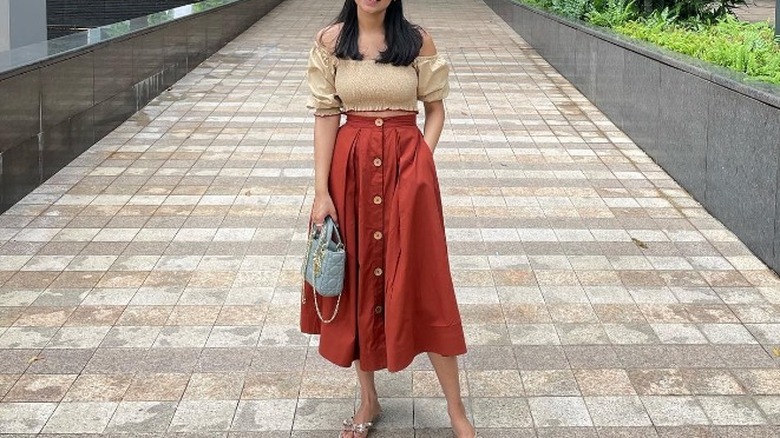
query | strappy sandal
[361, 430]
[346, 426]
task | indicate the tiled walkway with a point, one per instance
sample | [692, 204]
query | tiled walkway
[152, 285]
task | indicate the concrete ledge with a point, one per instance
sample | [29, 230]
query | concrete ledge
[60, 97]
[716, 132]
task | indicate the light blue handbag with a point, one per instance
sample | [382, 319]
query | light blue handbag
[324, 264]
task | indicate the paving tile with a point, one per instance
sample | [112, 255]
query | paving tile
[711, 382]
[99, 387]
[604, 382]
[6, 382]
[169, 360]
[16, 361]
[592, 356]
[203, 416]
[617, 411]
[141, 417]
[233, 336]
[157, 387]
[319, 414]
[430, 413]
[182, 337]
[115, 361]
[549, 383]
[674, 410]
[78, 337]
[498, 383]
[131, 336]
[559, 411]
[315, 384]
[276, 385]
[265, 415]
[27, 337]
[221, 360]
[731, 410]
[214, 386]
[771, 407]
[490, 358]
[502, 412]
[679, 334]
[40, 388]
[658, 382]
[24, 418]
[80, 417]
[631, 334]
[626, 432]
[759, 381]
[44, 316]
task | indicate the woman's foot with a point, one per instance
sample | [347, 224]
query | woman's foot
[460, 422]
[367, 412]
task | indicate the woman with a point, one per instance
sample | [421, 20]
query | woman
[375, 177]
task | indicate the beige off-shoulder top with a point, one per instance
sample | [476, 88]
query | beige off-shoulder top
[341, 85]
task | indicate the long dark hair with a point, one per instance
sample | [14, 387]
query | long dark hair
[403, 38]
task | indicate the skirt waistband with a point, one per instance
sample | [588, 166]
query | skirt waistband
[393, 121]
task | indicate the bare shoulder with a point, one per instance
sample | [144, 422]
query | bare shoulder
[428, 47]
[327, 36]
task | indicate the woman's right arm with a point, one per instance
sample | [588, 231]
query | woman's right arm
[325, 128]
[326, 103]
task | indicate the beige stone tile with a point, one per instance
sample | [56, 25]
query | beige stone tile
[214, 386]
[40, 388]
[495, 383]
[598, 382]
[277, 385]
[157, 387]
[145, 315]
[658, 382]
[44, 316]
[99, 387]
[193, 315]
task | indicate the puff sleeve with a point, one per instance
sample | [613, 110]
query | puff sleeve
[321, 75]
[432, 78]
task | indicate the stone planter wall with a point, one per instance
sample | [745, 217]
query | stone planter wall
[60, 97]
[713, 131]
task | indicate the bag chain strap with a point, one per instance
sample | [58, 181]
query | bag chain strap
[317, 271]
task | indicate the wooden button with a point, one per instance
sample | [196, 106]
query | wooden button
[377, 162]
[377, 235]
[378, 310]
[377, 200]
[379, 122]
[378, 272]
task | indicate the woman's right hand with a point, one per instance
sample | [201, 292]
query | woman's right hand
[323, 207]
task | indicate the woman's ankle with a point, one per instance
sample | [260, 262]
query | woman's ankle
[456, 409]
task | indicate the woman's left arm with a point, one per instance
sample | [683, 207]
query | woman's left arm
[434, 122]
[432, 88]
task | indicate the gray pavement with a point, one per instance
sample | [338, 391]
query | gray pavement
[152, 286]
[757, 11]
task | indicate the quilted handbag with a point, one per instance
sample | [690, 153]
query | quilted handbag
[323, 266]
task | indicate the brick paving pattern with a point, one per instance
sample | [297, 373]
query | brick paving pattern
[152, 286]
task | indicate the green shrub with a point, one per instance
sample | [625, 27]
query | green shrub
[611, 13]
[745, 47]
[570, 8]
[708, 10]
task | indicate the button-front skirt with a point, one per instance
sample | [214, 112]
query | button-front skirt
[398, 299]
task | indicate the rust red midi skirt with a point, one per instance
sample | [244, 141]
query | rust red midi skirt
[398, 299]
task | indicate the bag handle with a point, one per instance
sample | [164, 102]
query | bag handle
[325, 234]
[329, 229]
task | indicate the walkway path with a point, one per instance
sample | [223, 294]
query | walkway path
[757, 11]
[152, 285]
